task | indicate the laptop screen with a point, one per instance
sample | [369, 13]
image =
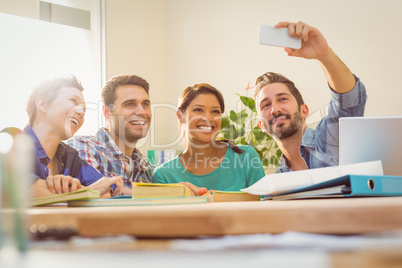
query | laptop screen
[363, 139]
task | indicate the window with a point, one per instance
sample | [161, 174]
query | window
[41, 39]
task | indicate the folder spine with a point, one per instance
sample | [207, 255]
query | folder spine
[375, 185]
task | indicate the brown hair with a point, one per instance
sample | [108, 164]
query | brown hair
[270, 78]
[191, 92]
[48, 89]
[109, 90]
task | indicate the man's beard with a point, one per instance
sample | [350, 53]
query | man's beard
[123, 133]
[296, 122]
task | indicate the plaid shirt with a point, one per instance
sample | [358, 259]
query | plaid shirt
[102, 153]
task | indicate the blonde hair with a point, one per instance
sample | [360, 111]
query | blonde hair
[49, 89]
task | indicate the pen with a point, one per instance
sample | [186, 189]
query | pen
[111, 189]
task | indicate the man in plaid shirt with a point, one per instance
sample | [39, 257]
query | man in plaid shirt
[112, 151]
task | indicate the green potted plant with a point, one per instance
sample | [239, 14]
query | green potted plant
[242, 128]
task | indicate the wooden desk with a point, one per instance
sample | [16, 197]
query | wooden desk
[329, 216]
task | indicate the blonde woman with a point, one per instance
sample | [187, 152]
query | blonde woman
[56, 111]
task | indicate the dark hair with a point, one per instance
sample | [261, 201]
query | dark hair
[48, 89]
[270, 78]
[191, 92]
[109, 90]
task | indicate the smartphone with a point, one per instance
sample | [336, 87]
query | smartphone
[269, 35]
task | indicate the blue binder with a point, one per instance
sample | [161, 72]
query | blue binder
[347, 186]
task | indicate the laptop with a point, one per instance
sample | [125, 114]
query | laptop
[363, 139]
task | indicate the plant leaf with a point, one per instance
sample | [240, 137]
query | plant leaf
[259, 134]
[238, 118]
[225, 122]
[242, 130]
[265, 162]
[243, 141]
[229, 132]
[249, 102]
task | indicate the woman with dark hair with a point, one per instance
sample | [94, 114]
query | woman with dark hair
[206, 161]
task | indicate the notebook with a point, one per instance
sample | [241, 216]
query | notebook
[363, 139]
[112, 202]
[230, 196]
[84, 193]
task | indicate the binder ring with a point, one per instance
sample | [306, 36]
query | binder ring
[371, 184]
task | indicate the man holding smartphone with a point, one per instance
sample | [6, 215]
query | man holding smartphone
[283, 112]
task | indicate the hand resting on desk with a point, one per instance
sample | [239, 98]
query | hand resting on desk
[64, 184]
[59, 184]
[194, 190]
[103, 185]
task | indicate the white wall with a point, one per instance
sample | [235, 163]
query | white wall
[33, 50]
[136, 43]
[175, 43]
